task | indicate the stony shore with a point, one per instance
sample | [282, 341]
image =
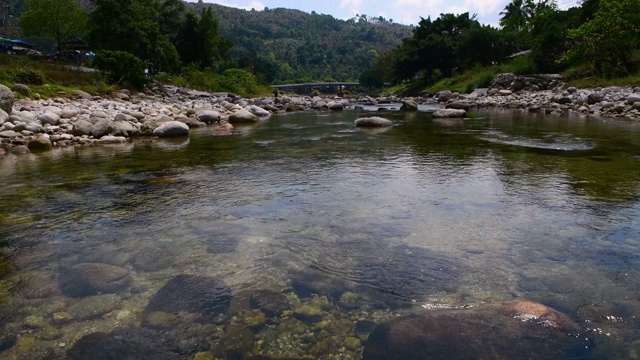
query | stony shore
[28, 125]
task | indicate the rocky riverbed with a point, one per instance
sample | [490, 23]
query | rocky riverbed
[28, 124]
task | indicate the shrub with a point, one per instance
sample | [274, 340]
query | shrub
[30, 77]
[120, 66]
[238, 81]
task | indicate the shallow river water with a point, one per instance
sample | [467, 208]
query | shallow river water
[344, 227]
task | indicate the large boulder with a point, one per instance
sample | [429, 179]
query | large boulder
[208, 116]
[112, 140]
[124, 128]
[450, 113]
[243, 117]
[504, 80]
[632, 99]
[199, 294]
[445, 96]
[258, 111]
[171, 129]
[81, 127]
[40, 143]
[148, 127]
[21, 89]
[6, 99]
[594, 98]
[49, 118]
[335, 106]
[82, 95]
[513, 330]
[26, 116]
[374, 121]
[101, 128]
[88, 279]
[409, 105]
[3, 116]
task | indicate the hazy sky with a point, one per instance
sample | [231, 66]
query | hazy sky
[402, 11]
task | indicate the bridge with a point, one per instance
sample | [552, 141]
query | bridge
[303, 86]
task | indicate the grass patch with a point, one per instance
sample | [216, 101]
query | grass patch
[50, 79]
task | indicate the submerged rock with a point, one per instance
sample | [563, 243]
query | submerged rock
[152, 259]
[513, 330]
[88, 279]
[192, 293]
[270, 302]
[128, 344]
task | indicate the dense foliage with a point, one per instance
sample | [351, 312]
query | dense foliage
[121, 66]
[439, 48]
[606, 42]
[602, 37]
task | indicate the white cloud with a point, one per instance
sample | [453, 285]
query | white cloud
[353, 6]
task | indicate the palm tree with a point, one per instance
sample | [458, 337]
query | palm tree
[515, 15]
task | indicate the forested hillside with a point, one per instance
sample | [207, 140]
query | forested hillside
[285, 44]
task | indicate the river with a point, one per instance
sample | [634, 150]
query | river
[363, 224]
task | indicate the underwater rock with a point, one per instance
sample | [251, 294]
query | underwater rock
[364, 328]
[221, 238]
[237, 341]
[127, 344]
[192, 293]
[38, 285]
[513, 330]
[152, 259]
[94, 306]
[88, 279]
[254, 319]
[270, 302]
[308, 313]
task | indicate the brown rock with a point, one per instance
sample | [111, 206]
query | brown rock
[513, 330]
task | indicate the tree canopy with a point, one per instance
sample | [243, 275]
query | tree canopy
[55, 20]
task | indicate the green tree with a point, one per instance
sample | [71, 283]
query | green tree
[515, 16]
[132, 26]
[171, 18]
[199, 42]
[433, 48]
[55, 20]
[607, 41]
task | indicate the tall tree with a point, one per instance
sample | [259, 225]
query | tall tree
[515, 16]
[171, 18]
[55, 20]
[200, 42]
[132, 26]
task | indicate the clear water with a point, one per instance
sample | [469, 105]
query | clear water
[433, 213]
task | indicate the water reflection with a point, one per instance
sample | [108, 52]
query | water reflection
[314, 232]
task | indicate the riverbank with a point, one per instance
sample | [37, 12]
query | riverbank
[28, 125]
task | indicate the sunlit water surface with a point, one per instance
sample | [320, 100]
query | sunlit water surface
[428, 213]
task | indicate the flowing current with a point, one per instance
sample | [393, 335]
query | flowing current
[366, 224]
